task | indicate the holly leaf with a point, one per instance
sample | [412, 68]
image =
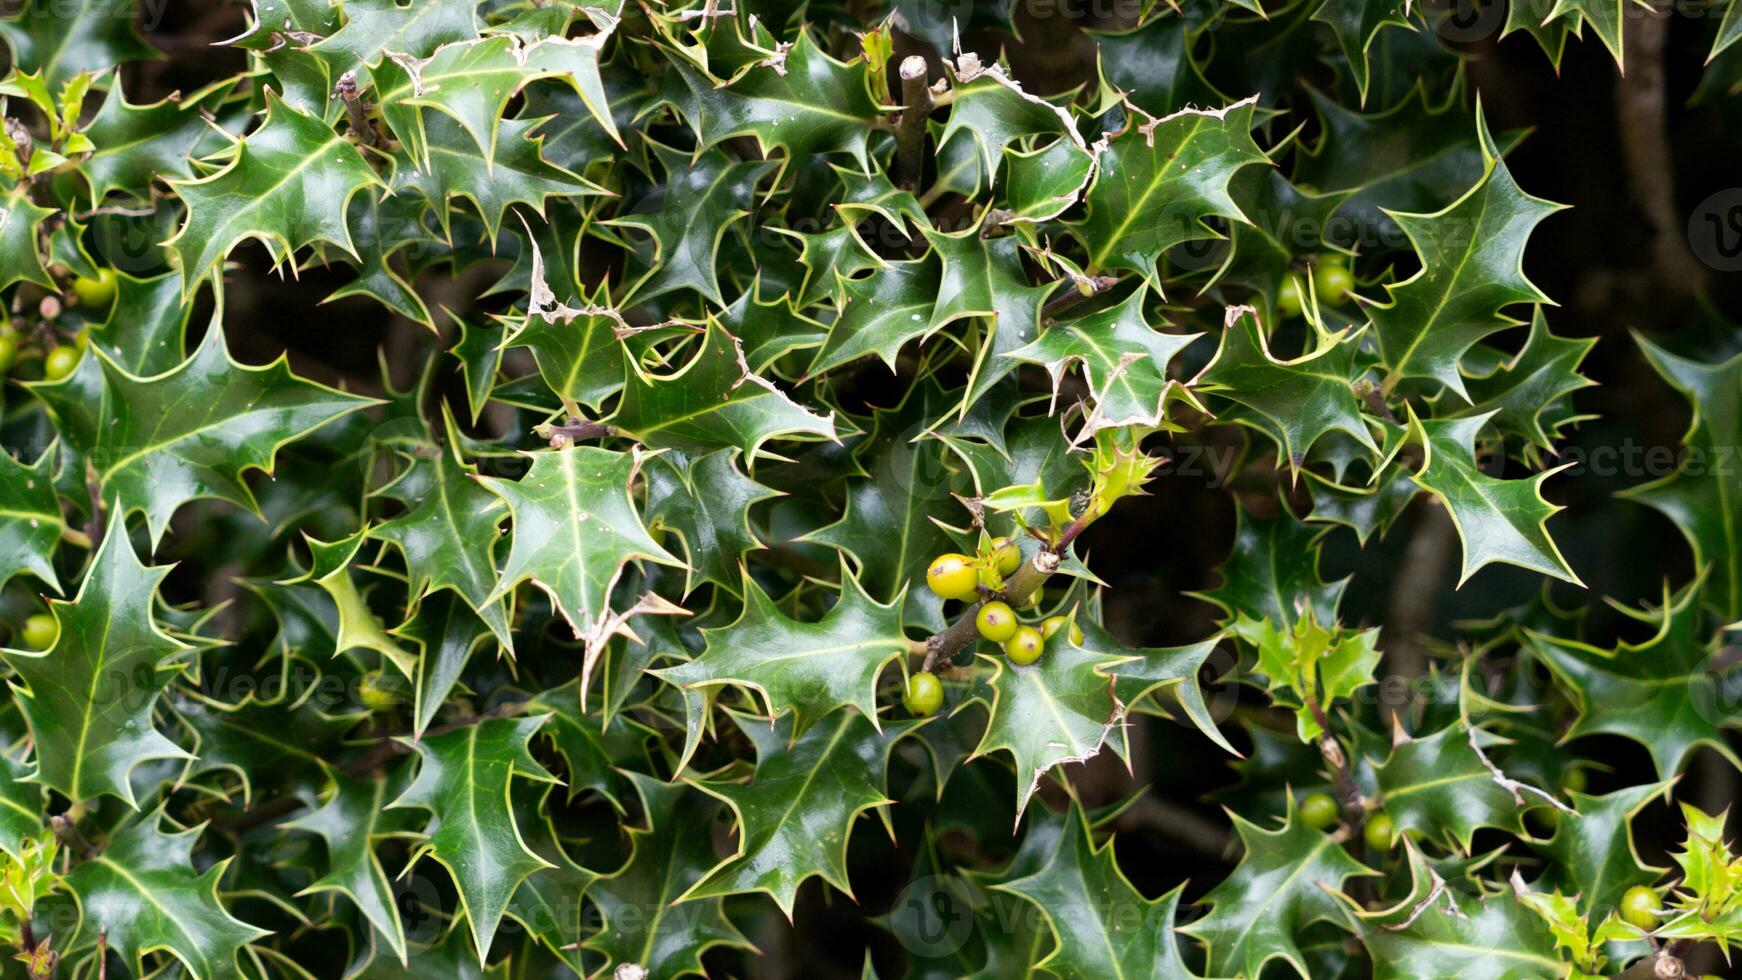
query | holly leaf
[1497, 520]
[891, 526]
[1452, 936]
[576, 349]
[596, 751]
[373, 29]
[1703, 497]
[1356, 23]
[448, 532]
[141, 895]
[21, 258]
[670, 853]
[136, 144]
[1592, 857]
[1056, 711]
[350, 822]
[1152, 65]
[807, 670]
[447, 631]
[516, 172]
[1158, 181]
[145, 332]
[1518, 391]
[288, 184]
[1295, 402]
[880, 313]
[575, 527]
[464, 780]
[1663, 693]
[993, 110]
[1104, 927]
[795, 815]
[1472, 267]
[713, 402]
[31, 523]
[799, 99]
[688, 216]
[1272, 571]
[358, 627]
[707, 502]
[59, 42]
[471, 81]
[1287, 880]
[1124, 361]
[89, 698]
[1439, 787]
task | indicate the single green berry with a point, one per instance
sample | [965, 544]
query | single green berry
[1318, 810]
[8, 354]
[952, 576]
[1052, 624]
[377, 691]
[40, 631]
[60, 362]
[1332, 281]
[924, 694]
[1639, 907]
[1380, 833]
[1288, 298]
[1006, 556]
[95, 291]
[1025, 645]
[1575, 779]
[996, 621]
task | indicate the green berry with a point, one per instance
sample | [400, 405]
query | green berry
[1006, 556]
[1639, 907]
[952, 576]
[996, 621]
[8, 354]
[1380, 833]
[1574, 779]
[1052, 624]
[924, 694]
[1318, 810]
[377, 691]
[40, 631]
[60, 362]
[95, 292]
[1025, 645]
[1288, 298]
[1332, 281]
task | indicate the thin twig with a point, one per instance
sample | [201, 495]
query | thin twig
[910, 130]
[572, 431]
[1095, 285]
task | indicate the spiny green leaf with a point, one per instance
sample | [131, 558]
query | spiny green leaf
[463, 780]
[141, 894]
[288, 185]
[89, 698]
[807, 670]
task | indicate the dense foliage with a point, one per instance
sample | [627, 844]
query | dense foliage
[760, 381]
